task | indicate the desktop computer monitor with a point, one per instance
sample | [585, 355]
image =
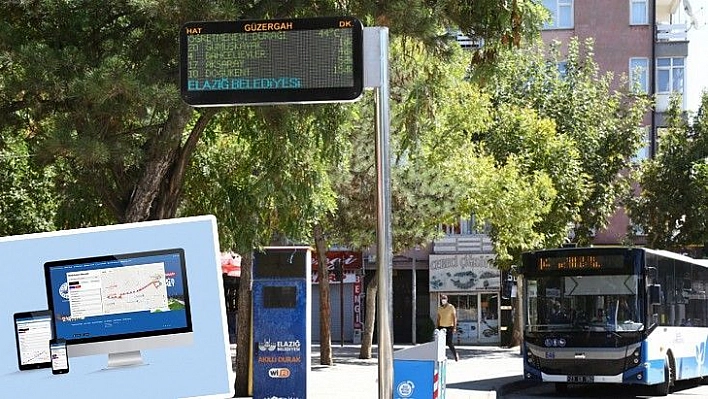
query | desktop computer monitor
[120, 304]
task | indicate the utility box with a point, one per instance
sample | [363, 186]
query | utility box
[356, 338]
[281, 322]
[419, 371]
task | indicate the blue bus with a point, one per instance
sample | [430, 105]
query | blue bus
[614, 315]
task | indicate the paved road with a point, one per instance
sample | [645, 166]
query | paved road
[482, 372]
[684, 390]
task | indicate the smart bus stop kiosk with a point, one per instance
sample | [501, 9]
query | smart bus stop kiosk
[281, 322]
[419, 371]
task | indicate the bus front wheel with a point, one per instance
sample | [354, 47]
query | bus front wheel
[664, 388]
[561, 387]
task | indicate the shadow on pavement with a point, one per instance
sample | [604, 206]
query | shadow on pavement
[501, 385]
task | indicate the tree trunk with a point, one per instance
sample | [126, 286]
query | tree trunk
[157, 192]
[243, 330]
[161, 152]
[368, 335]
[325, 311]
[166, 203]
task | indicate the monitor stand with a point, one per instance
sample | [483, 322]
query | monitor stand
[125, 359]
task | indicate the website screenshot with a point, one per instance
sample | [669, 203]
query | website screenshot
[111, 291]
[34, 336]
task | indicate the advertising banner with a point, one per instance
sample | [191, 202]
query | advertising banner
[279, 353]
[281, 322]
[463, 273]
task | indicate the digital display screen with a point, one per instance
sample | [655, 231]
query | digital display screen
[581, 262]
[60, 360]
[272, 61]
[283, 263]
[33, 331]
[119, 296]
[279, 297]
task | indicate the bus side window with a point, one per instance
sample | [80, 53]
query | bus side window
[665, 277]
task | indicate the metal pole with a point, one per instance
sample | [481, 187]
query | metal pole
[384, 254]
[414, 294]
[376, 77]
[341, 309]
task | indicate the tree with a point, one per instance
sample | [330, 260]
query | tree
[441, 171]
[95, 84]
[600, 123]
[258, 190]
[671, 206]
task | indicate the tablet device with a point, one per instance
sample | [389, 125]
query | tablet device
[33, 331]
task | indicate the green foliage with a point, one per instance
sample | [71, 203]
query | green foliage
[596, 121]
[26, 201]
[672, 206]
[95, 83]
[261, 172]
[529, 200]
[432, 107]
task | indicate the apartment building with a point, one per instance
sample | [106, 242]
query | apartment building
[646, 40]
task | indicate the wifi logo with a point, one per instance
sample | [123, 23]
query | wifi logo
[279, 373]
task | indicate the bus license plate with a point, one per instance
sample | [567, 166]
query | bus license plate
[581, 378]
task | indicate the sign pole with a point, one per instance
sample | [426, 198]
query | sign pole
[376, 75]
[230, 63]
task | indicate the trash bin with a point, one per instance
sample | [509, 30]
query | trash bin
[419, 371]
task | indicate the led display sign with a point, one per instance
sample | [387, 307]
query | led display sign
[309, 60]
[581, 262]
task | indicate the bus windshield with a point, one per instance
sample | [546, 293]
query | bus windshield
[584, 303]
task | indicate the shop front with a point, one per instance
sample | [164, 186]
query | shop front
[472, 285]
[346, 297]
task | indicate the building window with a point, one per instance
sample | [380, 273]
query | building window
[639, 74]
[638, 14]
[637, 229]
[670, 75]
[466, 226]
[645, 151]
[660, 132]
[561, 14]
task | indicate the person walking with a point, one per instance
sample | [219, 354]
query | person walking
[447, 319]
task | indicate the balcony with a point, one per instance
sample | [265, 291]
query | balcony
[468, 43]
[671, 32]
[463, 243]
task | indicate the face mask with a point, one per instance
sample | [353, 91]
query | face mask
[443, 302]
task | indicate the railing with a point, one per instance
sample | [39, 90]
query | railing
[671, 32]
[463, 243]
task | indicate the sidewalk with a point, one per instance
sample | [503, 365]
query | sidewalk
[482, 372]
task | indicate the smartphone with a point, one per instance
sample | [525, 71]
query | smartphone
[60, 359]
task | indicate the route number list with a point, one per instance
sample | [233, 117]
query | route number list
[277, 61]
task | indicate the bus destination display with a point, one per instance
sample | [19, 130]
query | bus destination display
[581, 262]
[307, 60]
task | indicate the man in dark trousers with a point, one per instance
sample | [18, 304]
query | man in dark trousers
[447, 319]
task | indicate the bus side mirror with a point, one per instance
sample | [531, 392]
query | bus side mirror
[655, 294]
